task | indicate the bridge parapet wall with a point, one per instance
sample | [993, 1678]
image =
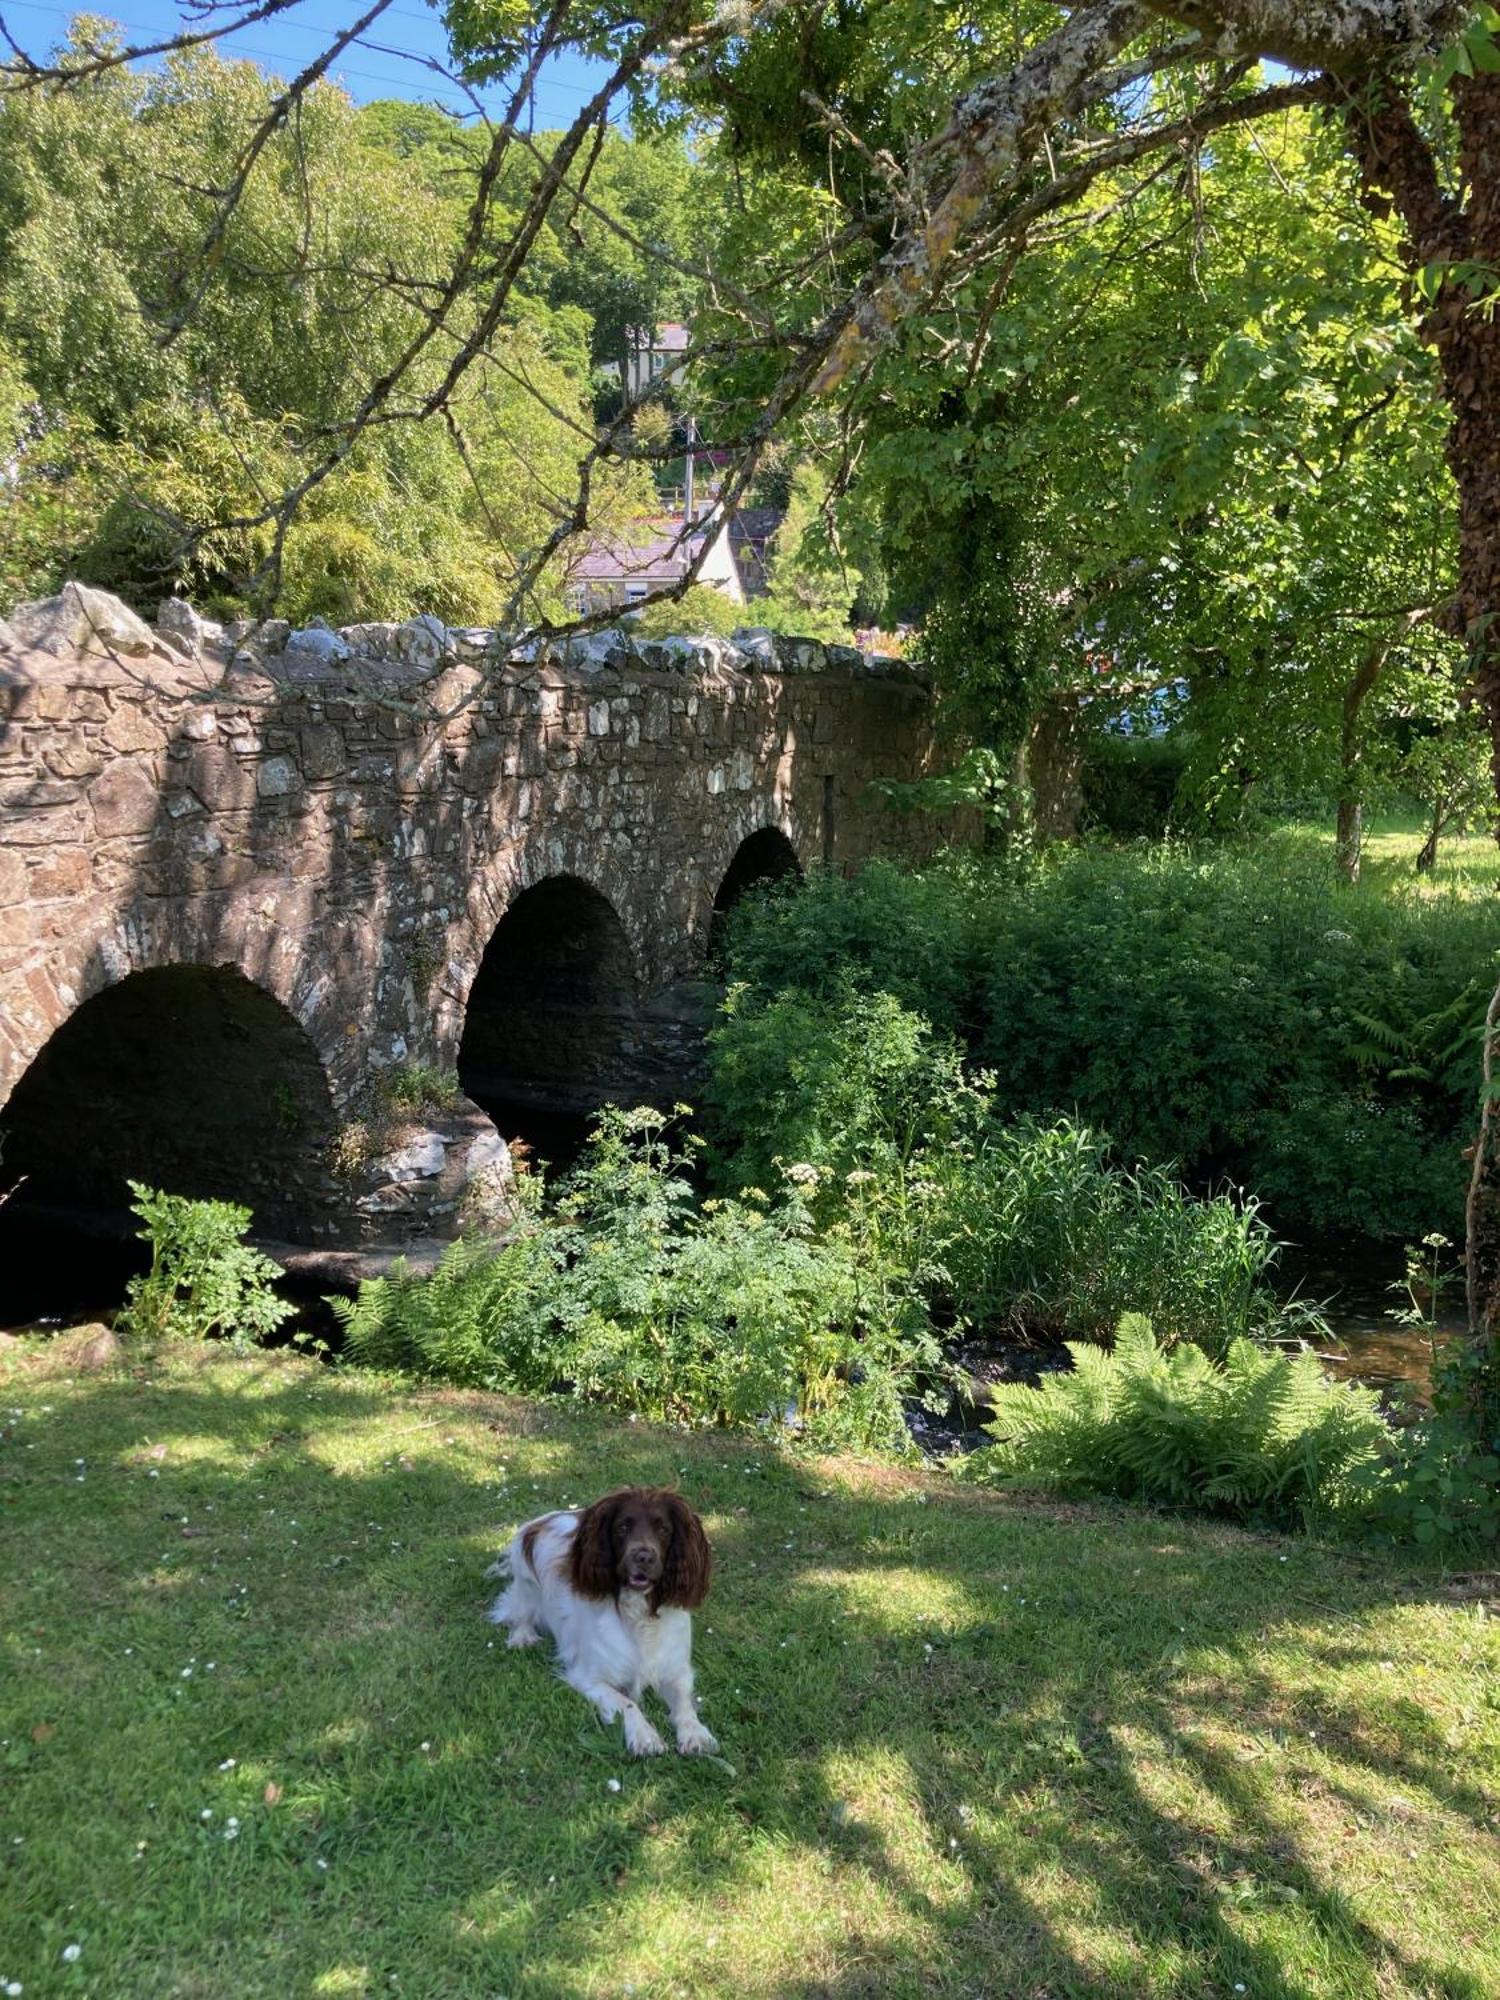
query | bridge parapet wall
[345, 817]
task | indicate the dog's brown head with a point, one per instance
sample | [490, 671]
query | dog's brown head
[643, 1538]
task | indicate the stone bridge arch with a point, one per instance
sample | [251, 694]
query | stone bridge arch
[552, 1022]
[344, 819]
[188, 1077]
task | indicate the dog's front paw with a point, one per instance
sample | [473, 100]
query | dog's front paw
[693, 1740]
[641, 1739]
[523, 1635]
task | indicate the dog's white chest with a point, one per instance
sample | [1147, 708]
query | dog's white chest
[659, 1642]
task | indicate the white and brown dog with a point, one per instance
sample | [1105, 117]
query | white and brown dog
[614, 1586]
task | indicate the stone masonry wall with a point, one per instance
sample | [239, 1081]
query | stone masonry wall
[345, 818]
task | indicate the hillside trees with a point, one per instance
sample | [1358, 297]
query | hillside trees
[156, 398]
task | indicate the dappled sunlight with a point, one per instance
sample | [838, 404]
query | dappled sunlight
[1067, 1745]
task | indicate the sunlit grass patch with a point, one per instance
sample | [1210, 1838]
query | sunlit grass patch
[1468, 864]
[259, 1740]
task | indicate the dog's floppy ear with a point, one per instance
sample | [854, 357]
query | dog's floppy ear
[690, 1560]
[591, 1556]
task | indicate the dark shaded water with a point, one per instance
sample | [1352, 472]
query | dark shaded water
[67, 1267]
[1359, 1285]
[61, 1266]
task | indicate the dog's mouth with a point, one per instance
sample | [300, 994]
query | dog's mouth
[638, 1579]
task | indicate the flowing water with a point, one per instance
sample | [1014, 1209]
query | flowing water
[1359, 1286]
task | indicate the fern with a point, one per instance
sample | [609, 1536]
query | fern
[478, 1319]
[1407, 1043]
[1265, 1434]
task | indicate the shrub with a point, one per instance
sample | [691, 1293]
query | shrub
[1048, 1237]
[1438, 1484]
[916, 935]
[839, 1081]
[1230, 1014]
[1242, 1014]
[1441, 1481]
[700, 609]
[204, 1278]
[1028, 1227]
[624, 1290]
[1266, 1434]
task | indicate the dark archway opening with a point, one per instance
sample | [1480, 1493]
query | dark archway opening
[762, 858]
[552, 1030]
[189, 1078]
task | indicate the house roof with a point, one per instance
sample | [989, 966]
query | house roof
[657, 549]
[670, 337]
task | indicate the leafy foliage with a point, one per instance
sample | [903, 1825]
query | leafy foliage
[204, 1278]
[157, 400]
[1218, 1012]
[1441, 1481]
[1048, 1237]
[1026, 1227]
[624, 1290]
[701, 608]
[1266, 1434]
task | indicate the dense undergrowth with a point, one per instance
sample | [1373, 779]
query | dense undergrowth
[1225, 1013]
[823, 1296]
[871, 1194]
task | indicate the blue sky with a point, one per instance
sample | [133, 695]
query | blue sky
[389, 67]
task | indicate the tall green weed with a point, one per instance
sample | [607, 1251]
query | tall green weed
[1007, 1225]
[625, 1289]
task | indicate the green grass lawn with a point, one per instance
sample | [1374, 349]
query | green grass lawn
[1468, 864]
[259, 1740]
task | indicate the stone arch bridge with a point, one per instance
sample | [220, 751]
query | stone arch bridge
[244, 872]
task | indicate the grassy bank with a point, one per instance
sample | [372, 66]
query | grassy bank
[1468, 864]
[259, 1740]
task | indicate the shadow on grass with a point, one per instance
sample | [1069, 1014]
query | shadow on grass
[978, 1747]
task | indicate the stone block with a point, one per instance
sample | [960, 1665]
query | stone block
[322, 751]
[124, 800]
[74, 756]
[64, 873]
[277, 778]
[78, 621]
[130, 728]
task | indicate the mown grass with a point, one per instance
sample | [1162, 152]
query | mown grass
[1468, 864]
[972, 1746]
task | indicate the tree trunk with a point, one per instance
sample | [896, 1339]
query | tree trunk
[1427, 858]
[1348, 838]
[1395, 157]
[1482, 1218]
[1350, 833]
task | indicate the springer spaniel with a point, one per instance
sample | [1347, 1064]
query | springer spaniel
[614, 1586]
